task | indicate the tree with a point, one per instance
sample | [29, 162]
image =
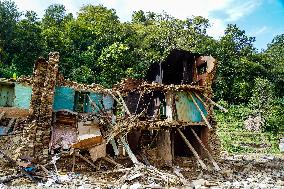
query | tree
[113, 63]
[27, 43]
[274, 59]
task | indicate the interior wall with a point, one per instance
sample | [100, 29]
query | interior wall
[7, 95]
[23, 95]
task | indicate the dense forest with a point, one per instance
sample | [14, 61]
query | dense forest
[95, 46]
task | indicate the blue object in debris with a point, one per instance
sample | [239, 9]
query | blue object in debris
[30, 169]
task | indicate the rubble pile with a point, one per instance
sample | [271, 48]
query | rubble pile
[241, 171]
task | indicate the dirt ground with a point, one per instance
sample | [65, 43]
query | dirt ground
[239, 171]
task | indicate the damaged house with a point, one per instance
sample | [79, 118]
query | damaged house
[153, 121]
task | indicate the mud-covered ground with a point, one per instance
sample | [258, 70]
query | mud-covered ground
[241, 171]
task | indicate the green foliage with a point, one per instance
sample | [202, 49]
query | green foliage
[112, 63]
[236, 139]
[83, 74]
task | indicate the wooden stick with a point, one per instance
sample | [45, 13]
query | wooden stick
[192, 149]
[137, 106]
[201, 100]
[114, 97]
[10, 123]
[123, 103]
[129, 151]
[99, 165]
[111, 161]
[45, 170]
[15, 125]
[214, 103]
[205, 149]
[88, 161]
[202, 114]
[73, 162]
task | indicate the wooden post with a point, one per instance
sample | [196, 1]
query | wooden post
[206, 150]
[202, 114]
[192, 149]
[165, 147]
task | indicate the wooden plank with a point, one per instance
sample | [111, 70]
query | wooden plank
[206, 150]
[199, 109]
[192, 149]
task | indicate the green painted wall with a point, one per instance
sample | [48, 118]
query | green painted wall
[64, 98]
[23, 94]
[186, 109]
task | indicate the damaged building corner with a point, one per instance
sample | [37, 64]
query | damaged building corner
[152, 121]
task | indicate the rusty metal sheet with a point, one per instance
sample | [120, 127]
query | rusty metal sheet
[186, 110]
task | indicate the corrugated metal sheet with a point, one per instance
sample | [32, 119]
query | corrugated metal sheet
[186, 110]
[23, 95]
[64, 98]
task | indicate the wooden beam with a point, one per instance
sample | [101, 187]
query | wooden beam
[192, 149]
[215, 104]
[199, 109]
[206, 150]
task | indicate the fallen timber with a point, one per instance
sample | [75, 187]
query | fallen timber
[161, 114]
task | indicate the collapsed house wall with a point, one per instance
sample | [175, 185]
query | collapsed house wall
[177, 100]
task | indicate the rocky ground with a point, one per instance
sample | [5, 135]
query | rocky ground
[239, 171]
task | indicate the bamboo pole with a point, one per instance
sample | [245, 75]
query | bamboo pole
[202, 114]
[206, 150]
[123, 103]
[128, 150]
[215, 104]
[192, 149]
[201, 100]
